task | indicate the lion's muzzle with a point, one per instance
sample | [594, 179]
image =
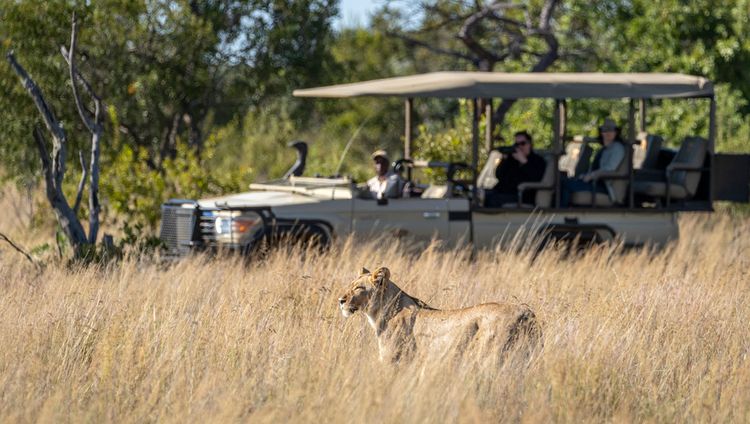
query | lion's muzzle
[346, 310]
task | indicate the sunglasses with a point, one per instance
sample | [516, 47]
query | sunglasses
[521, 143]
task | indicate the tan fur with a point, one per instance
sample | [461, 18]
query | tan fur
[405, 325]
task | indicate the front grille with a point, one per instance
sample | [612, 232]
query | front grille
[207, 224]
[177, 226]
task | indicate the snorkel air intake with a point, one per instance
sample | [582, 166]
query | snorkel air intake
[299, 166]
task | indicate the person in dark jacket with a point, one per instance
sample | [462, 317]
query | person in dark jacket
[521, 166]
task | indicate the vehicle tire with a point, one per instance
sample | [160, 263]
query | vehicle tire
[312, 235]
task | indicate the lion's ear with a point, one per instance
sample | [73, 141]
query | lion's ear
[364, 271]
[381, 276]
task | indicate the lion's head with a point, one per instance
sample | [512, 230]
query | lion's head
[365, 292]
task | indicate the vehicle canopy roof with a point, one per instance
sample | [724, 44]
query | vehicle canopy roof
[524, 85]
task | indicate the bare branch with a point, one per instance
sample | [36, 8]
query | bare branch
[74, 74]
[95, 127]
[54, 166]
[79, 77]
[94, 206]
[41, 144]
[81, 183]
[18, 249]
[546, 16]
[466, 34]
[36, 95]
[447, 52]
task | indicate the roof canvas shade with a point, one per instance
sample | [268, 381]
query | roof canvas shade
[523, 85]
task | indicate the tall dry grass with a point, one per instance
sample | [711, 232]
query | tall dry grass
[633, 336]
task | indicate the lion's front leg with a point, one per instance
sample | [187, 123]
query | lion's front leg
[398, 342]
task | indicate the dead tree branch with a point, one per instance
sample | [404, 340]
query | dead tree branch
[18, 249]
[81, 183]
[54, 167]
[95, 127]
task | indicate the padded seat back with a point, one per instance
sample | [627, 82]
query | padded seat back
[543, 197]
[692, 153]
[577, 157]
[653, 147]
[619, 187]
[487, 179]
[435, 191]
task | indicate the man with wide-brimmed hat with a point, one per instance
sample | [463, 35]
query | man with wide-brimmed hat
[385, 183]
[607, 159]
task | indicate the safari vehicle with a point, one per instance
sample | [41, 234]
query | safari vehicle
[652, 185]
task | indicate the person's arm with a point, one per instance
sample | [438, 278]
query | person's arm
[533, 169]
[502, 169]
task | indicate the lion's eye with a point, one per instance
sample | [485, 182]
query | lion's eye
[359, 288]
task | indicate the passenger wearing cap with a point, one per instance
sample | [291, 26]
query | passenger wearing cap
[607, 159]
[385, 183]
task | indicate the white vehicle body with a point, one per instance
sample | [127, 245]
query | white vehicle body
[335, 206]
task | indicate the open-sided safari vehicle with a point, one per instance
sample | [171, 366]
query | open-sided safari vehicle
[651, 185]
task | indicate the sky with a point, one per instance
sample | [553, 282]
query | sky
[356, 12]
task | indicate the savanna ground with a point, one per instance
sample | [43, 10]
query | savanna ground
[628, 336]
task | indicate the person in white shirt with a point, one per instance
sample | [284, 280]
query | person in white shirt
[385, 183]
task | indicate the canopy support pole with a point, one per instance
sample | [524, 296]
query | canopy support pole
[563, 124]
[642, 114]
[711, 147]
[712, 126]
[557, 125]
[488, 125]
[629, 149]
[475, 147]
[408, 106]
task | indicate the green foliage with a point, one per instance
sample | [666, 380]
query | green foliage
[137, 239]
[168, 69]
[135, 192]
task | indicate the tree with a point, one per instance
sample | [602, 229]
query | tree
[54, 167]
[490, 33]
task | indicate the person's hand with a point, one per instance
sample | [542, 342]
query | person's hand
[587, 177]
[520, 157]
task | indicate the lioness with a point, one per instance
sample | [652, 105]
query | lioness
[404, 324]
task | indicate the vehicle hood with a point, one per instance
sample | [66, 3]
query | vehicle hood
[258, 198]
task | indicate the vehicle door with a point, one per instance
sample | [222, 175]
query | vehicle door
[419, 218]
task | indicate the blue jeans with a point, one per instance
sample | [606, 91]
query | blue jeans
[569, 186]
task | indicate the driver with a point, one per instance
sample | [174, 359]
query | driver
[385, 183]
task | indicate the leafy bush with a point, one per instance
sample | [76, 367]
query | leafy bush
[134, 190]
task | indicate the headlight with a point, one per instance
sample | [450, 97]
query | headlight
[235, 226]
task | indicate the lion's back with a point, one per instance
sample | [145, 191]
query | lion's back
[488, 325]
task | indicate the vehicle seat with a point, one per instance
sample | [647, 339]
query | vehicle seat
[619, 187]
[435, 191]
[651, 156]
[487, 179]
[685, 172]
[545, 188]
[575, 161]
